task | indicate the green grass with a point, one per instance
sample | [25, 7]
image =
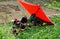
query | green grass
[54, 4]
[38, 32]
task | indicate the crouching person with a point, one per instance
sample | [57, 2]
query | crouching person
[38, 21]
[17, 23]
[35, 20]
[23, 25]
[32, 17]
[31, 20]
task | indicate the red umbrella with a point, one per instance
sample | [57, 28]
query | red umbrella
[35, 9]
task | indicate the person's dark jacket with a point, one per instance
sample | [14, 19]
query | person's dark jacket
[24, 20]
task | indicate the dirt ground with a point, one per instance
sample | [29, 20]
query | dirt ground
[11, 10]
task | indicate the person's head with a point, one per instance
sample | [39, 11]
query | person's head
[33, 15]
[25, 16]
[15, 19]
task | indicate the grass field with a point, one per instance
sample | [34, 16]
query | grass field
[55, 5]
[38, 32]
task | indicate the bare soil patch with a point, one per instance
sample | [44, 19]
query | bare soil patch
[11, 10]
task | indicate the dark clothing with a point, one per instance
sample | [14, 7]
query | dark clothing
[23, 25]
[17, 23]
[38, 21]
[31, 18]
[24, 20]
[14, 23]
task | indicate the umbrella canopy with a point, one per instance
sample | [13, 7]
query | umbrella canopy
[36, 9]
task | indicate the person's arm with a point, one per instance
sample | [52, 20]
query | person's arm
[13, 22]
